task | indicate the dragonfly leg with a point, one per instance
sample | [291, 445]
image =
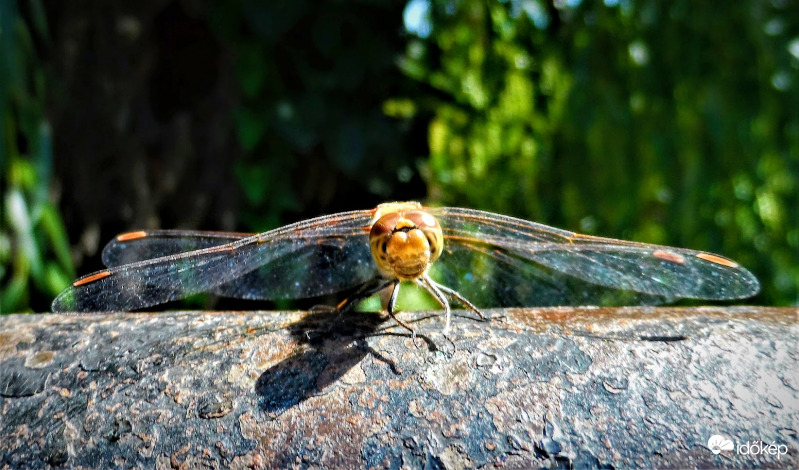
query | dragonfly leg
[367, 289]
[457, 295]
[436, 292]
[392, 302]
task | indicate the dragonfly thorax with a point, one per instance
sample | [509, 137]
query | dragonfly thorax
[404, 243]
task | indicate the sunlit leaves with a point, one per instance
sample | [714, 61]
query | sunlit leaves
[34, 253]
[665, 122]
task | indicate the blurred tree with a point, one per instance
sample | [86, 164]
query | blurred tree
[223, 115]
[235, 115]
[34, 249]
[670, 123]
[313, 78]
[141, 108]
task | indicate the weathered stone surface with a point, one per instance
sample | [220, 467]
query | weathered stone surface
[586, 388]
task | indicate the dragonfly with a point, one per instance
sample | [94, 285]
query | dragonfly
[476, 258]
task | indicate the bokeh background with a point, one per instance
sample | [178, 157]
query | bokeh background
[665, 122]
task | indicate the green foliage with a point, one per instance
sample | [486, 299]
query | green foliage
[312, 78]
[34, 250]
[664, 122]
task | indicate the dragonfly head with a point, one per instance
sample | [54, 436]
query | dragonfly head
[405, 242]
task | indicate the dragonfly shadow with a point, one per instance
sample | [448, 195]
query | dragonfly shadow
[330, 345]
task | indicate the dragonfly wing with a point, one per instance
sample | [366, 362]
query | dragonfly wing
[333, 264]
[132, 247]
[488, 277]
[535, 253]
[308, 258]
[324, 268]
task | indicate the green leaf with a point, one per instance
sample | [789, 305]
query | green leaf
[249, 128]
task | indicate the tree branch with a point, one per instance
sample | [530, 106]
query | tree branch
[590, 388]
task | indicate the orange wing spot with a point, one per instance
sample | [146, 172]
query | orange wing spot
[92, 278]
[669, 256]
[717, 260]
[124, 237]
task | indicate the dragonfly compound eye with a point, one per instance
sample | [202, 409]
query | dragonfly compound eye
[431, 229]
[404, 244]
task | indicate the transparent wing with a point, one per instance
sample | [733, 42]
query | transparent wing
[133, 247]
[491, 278]
[495, 260]
[336, 264]
[310, 258]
